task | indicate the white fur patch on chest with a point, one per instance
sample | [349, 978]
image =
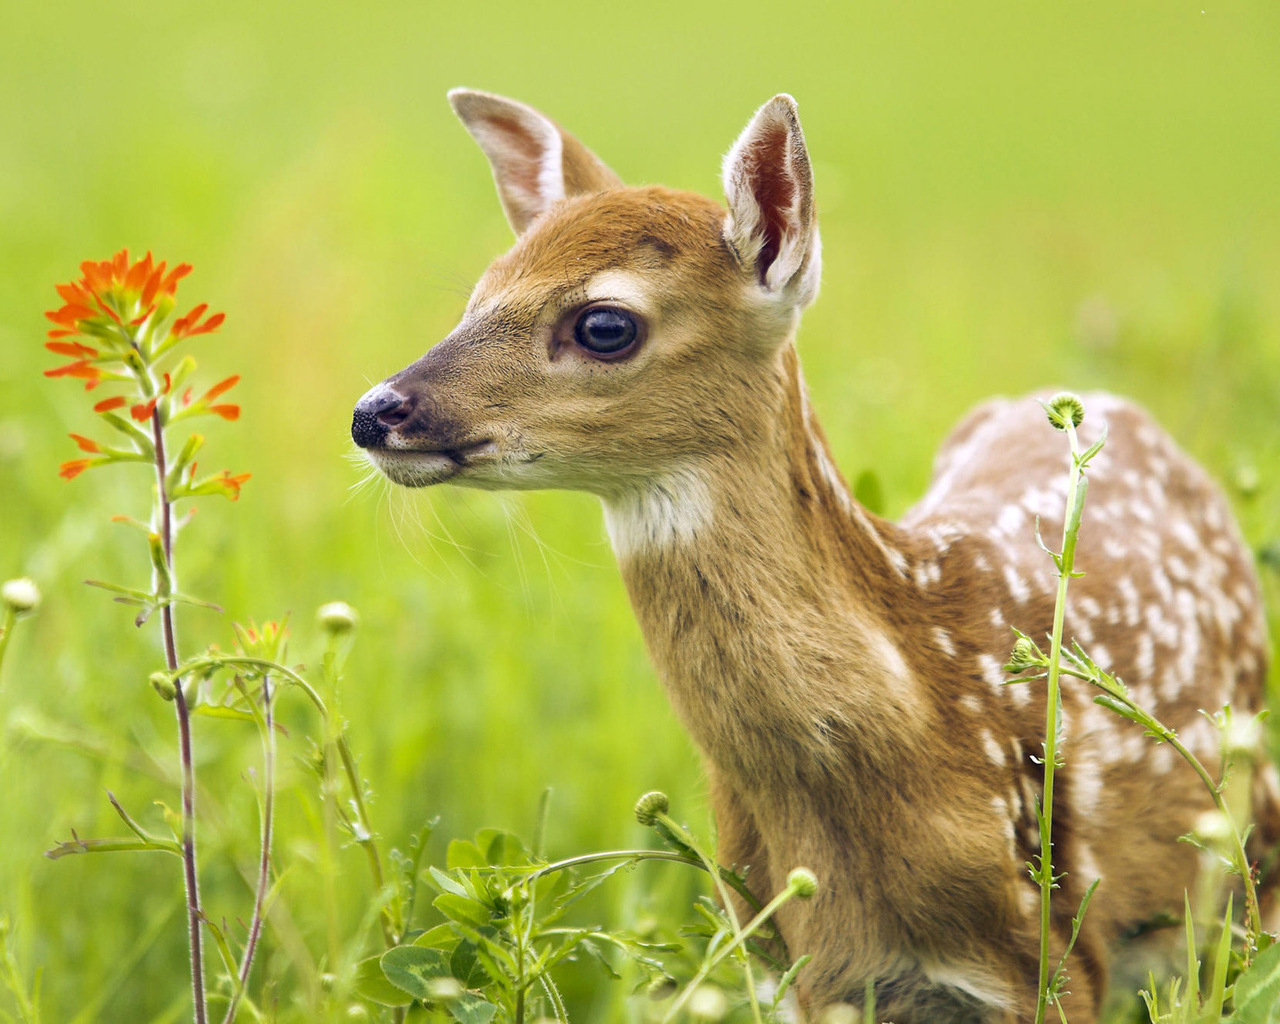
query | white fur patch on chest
[668, 510]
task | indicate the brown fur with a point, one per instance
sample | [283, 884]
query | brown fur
[840, 673]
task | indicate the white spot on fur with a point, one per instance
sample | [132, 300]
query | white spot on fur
[994, 754]
[1018, 588]
[666, 510]
[972, 704]
[972, 980]
[943, 639]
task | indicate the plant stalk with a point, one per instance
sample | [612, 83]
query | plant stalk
[1053, 717]
[191, 879]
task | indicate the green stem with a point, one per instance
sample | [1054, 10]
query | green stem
[190, 876]
[738, 939]
[6, 628]
[1053, 717]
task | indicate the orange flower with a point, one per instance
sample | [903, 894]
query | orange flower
[143, 410]
[85, 444]
[231, 484]
[71, 348]
[81, 368]
[221, 388]
[107, 404]
[71, 470]
[227, 412]
[115, 293]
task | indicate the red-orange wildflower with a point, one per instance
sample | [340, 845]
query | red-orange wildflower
[71, 470]
[232, 484]
[81, 368]
[71, 348]
[107, 404]
[227, 412]
[121, 292]
[221, 388]
[143, 410]
[85, 444]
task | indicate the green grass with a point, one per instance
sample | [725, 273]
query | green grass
[1010, 199]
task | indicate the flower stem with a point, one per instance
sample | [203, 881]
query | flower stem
[191, 879]
[1053, 717]
[267, 725]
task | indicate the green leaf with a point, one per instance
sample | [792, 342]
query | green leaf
[505, 849]
[1257, 996]
[785, 981]
[447, 882]
[412, 968]
[463, 853]
[440, 937]
[371, 983]
[464, 966]
[471, 1009]
[462, 909]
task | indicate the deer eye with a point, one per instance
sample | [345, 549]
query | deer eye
[606, 331]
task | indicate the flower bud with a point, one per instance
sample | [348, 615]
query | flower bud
[661, 987]
[1240, 738]
[803, 882]
[337, 618]
[708, 1003]
[649, 806]
[1025, 655]
[1065, 408]
[1214, 829]
[21, 595]
[164, 685]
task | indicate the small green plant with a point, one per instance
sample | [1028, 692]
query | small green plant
[1181, 1006]
[504, 930]
[117, 325]
[18, 598]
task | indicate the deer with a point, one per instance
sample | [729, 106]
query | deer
[842, 674]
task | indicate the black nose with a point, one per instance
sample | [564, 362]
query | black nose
[378, 411]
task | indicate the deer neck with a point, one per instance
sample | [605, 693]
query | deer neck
[758, 582]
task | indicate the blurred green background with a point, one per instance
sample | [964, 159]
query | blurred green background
[1011, 196]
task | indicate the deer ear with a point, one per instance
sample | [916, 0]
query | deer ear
[535, 162]
[769, 185]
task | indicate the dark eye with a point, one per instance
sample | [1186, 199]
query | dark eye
[605, 331]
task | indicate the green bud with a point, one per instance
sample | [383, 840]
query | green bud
[21, 595]
[708, 1003]
[649, 806]
[337, 618]
[163, 685]
[661, 987]
[803, 882]
[1025, 655]
[1214, 829]
[1241, 736]
[1065, 408]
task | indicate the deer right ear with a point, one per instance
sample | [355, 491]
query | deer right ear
[535, 162]
[769, 185]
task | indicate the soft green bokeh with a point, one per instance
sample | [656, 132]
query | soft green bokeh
[1011, 196]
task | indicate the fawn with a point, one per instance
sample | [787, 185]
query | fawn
[842, 674]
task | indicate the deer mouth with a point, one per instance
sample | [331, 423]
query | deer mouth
[422, 467]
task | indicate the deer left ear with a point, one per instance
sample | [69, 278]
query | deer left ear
[535, 162]
[768, 182]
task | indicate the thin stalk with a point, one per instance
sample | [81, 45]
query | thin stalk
[392, 924]
[191, 880]
[1053, 712]
[739, 938]
[267, 726]
[712, 868]
[6, 628]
